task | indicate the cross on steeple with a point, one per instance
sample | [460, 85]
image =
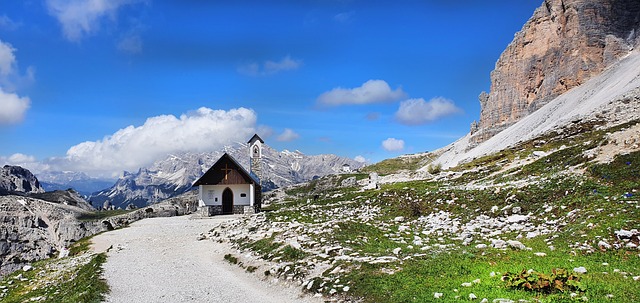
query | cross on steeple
[226, 171]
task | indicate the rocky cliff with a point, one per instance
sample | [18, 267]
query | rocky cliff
[564, 44]
[17, 179]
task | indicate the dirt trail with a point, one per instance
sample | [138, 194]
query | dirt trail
[160, 260]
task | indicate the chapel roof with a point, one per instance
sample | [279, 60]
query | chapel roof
[227, 171]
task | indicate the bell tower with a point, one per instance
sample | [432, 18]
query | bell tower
[255, 154]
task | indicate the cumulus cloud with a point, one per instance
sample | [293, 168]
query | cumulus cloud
[287, 135]
[360, 159]
[270, 67]
[137, 146]
[82, 17]
[7, 59]
[419, 111]
[25, 161]
[393, 145]
[13, 107]
[372, 91]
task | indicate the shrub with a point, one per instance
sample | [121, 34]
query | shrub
[434, 168]
[231, 259]
[560, 280]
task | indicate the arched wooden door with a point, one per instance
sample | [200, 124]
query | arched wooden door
[227, 201]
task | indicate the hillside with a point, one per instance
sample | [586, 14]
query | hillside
[567, 201]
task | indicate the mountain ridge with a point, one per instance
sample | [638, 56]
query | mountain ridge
[176, 173]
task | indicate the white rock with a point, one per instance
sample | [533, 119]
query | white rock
[481, 246]
[498, 243]
[516, 244]
[27, 268]
[540, 254]
[466, 284]
[580, 270]
[438, 295]
[539, 154]
[476, 281]
[295, 244]
[625, 234]
[532, 234]
[398, 219]
[484, 300]
[472, 296]
[396, 250]
[604, 244]
[517, 218]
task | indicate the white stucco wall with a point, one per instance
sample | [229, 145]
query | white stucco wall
[207, 194]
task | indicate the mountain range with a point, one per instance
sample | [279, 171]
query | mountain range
[175, 174]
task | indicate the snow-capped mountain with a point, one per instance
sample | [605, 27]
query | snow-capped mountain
[175, 174]
[81, 182]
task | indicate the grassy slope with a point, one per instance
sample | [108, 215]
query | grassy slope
[581, 209]
[76, 278]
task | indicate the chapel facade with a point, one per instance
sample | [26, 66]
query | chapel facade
[228, 188]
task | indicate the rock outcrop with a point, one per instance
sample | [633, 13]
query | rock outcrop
[15, 179]
[564, 44]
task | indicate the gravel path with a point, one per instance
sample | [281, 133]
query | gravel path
[160, 260]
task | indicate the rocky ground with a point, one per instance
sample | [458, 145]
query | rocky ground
[165, 260]
[549, 203]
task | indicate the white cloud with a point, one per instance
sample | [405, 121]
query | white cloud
[419, 111]
[13, 107]
[393, 144]
[7, 59]
[131, 44]
[25, 161]
[19, 158]
[82, 17]
[287, 135]
[360, 159]
[372, 91]
[133, 147]
[270, 67]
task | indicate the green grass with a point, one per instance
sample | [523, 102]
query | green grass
[418, 280]
[103, 214]
[82, 284]
[76, 278]
[395, 165]
[586, 208]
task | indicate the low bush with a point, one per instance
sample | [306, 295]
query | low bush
[560, 280]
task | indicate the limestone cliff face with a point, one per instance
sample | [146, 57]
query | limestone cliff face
[18, 179]
[565, 43]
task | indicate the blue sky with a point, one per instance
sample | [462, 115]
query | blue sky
[103, 86]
